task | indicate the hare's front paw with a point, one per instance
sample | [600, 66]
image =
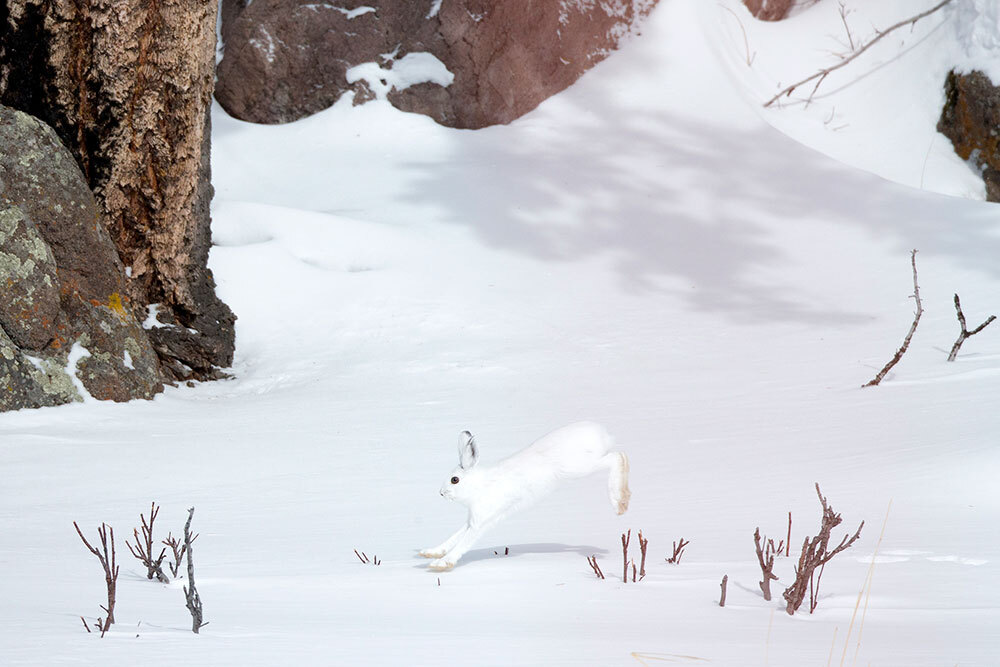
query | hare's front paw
[431, 553]
[440, 565]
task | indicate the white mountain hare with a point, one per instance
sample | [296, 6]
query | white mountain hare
[493, 492]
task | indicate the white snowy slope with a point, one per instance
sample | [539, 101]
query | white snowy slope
[644, 250]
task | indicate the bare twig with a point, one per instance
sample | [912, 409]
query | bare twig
[678, 551]
[626, 538]
[913, 327]
[592, 560]
[85, 626]
[788, 541]
[725, 582]
[109, 563]
[633, 571]
[844, 11]
[177, 547]
[192, 598]
[363, 559]
[143, 550]
[815, 555]
[965, 333]
[765, 557]
[643, 543]
[823, 73]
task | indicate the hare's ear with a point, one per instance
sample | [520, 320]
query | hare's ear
[468, 453]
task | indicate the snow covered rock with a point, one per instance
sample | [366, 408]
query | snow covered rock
[498, 60]
[971, 119]
[62, 282]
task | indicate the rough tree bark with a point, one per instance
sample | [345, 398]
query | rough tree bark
[127, 86]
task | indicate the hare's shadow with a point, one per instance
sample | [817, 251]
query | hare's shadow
[515, 550]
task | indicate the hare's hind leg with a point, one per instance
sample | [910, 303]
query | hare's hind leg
[446, 546]
[618, 491]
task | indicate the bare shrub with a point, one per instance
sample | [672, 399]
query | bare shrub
[815, 555]
[143, 549]
[913, 328]
[191, 596]
[108, 561]
[765, 558]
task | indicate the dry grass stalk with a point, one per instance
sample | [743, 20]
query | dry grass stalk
[788, 540]
[913, 327]
[143, 550]
[823, 73]
[109, 563]
[815, 555]
[965, 333]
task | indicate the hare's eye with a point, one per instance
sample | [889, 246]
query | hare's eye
[454, 480]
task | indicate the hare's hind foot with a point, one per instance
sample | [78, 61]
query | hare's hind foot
[440, 565]
[431, 553]
[623, 502]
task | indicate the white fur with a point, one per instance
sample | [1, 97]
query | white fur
[493, 492]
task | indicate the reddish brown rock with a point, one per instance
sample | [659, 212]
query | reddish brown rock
[284, 60]
[769, 10]
[971, 119]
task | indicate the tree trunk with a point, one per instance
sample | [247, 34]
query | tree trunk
[127, 85]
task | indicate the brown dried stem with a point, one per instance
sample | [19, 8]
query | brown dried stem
[109, 563]
[178, 548]
[815, 555]
[592, 560]
[626, 538]
[823, 73]
[765, 558]
[965, 333]
[191, 596]
[643, 543]
[725, 582]
[913, 327]
[678, 551]
[143, 550]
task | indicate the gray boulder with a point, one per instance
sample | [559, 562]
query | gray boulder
[64, 316]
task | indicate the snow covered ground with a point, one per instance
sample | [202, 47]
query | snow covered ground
[644, 250]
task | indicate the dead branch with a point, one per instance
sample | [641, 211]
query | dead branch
[191, 596]
[626, 538]
[765, 558]
[725, 581]
[643, 543]
[363, 559]
[109, 563]
[913, 327]
[815, 555]
[788, 540]
[85, 626]
[592, 560]
[843, 17]
[143, 550]
[965, 333]
[823, 73]
[678, 551]
[633, 571]
[177, 547]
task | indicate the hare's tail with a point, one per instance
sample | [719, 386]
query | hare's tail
[618, 481]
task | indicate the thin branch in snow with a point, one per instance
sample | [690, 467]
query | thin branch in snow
[193, 599]
[913, 327]
[592, 561]
[108, 562]
[725, 582]
[678, 551]
[823, 73]
[626, 538]
[965, 333]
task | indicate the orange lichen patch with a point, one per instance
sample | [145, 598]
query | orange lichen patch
[115, 304]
